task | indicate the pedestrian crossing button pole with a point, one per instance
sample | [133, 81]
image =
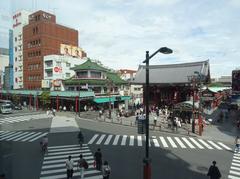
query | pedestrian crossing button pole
[147, 160]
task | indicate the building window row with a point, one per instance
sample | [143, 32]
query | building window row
[34, 78]
[34, 54]
[34, 43]
[33, 67]
[35, 30]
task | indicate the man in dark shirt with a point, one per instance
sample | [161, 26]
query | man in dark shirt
[214, 172]
[98, 159]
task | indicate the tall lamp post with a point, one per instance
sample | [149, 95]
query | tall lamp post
[146, 160]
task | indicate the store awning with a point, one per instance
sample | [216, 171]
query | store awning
[111, 99]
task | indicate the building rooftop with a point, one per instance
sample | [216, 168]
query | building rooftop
[172, 73]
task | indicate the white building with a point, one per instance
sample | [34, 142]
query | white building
[4, 61]
[20, 19]
[57, 68]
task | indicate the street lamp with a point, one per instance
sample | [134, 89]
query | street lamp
[146, 161]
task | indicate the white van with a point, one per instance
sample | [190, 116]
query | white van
[5, 108]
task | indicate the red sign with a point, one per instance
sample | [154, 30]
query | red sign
[58, 69]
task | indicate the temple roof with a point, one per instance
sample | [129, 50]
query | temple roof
[89, 65]
[172, 73]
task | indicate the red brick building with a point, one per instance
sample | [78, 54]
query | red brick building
[42, 36]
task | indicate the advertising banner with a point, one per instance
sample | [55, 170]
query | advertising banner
[76, 52]
[45, 83]
[66, 49]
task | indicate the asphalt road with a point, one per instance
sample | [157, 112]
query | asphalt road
[21, 160]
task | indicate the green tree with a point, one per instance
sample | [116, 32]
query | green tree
[45, 99]
[16, 99]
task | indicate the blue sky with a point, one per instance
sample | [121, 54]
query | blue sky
[118, 32]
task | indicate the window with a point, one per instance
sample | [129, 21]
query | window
[15, 49]
[15, 39]
[15, 59]
[82, 74]
[95, 74]
[16, 80]
[68, 64]
[15, 69]
[67, 75]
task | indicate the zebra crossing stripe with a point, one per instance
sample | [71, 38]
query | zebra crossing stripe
[75, 158]
[17, 136]
[44, 134]
[124, 139]
[64, 146]
[62, 164]
[232, 177]
[237, 161]
[93, 139]
[6, 134]
[101, 139]
[108, 140]
[180, 142]
[196, 143]
[66, 152]
[188, 143]
[236, 157]
[164, 143]
[131, 142]
[24, 136]
[171, 142]
[116, 140]
[31, 136]
[236, 164]
[224, 146]
[9, 136]
[66, 155]
[67, 149]
[155, 141]
[234, 172]
[215, 145]
[205, 144]
[235, 168]
[139, 139]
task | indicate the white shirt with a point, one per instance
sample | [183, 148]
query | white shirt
[69, 164]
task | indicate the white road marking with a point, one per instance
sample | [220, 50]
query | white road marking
[101, 139]
[171, 142]
[215, 145]
[124, 139]
[131, 142]
[108, 140]
[93, 138]
[180, 142]
[188, 143]
[205, 144]
[196, 143]
[164, 143]
[139, 139]
[116, 140]
[155, 141]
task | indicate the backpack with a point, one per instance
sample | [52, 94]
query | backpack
[107, 170]
[85, 164]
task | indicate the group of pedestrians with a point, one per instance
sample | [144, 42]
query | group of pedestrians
[82, 164]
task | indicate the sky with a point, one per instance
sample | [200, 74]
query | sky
[119, 32]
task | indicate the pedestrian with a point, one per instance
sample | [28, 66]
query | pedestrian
[80, 166]
[213, 171]
[64, 108]
[80, 138]
[98, 159]
[237, 144]
[106, 170]
[69, 166]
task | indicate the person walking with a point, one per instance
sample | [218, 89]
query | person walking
[237, 144]
[98, 159]
[80, 138]
[213, 171]
[106, 170]
[80, 166]
[69, 166]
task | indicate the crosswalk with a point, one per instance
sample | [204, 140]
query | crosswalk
[54, 162]
[234, 172]
[13, 119]
[21, 136]
[158, 141]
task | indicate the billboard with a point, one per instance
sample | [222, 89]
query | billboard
[236, 80]
[71, 50]
[76, 52]
[66, 49]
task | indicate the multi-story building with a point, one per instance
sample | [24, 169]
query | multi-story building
[11, 61]
[58, 68]
[20, 19]
[42, 36]
[4, 62]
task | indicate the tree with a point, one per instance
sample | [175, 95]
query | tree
[16, 99]
[45, 98]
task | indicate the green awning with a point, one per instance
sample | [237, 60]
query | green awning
[110, 99]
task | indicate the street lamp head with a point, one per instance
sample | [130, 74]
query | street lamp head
[165, 50]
